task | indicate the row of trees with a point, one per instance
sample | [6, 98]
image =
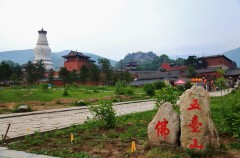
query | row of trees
[33, 72]
[103, 73]
[10, 71]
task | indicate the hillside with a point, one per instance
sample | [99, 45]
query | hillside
[23, 56]
[140, 57]
[234, 55]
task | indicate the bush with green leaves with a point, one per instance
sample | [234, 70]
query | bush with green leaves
[232, 116]
[233, 122]
[158, 85]
[123, 89]
[81, 103]
[65, 93]
[220, 82]
[180, 88]
[149, 89]
[166, 94]
[105, 113]
[129, 90]
[188, 85]
[120, 88]
[45, 87]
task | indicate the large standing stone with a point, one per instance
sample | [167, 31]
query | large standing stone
[165, 126]
[197, 128]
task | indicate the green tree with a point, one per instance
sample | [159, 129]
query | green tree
[30, 75]
[106, 71]
[166, 94]
[94, 74]
[74, 76]
[40, 70]
[191, 72]
[5, 71]
[64, 74]
[127, 76]
[50, 76]
[84, 74]
[197, 63]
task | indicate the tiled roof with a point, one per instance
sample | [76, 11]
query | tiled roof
[209, 69]
[216, 56]
[75, 53]
[235, 72]
[149, 75]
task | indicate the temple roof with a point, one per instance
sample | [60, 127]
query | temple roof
[75, 53]
[42, 31]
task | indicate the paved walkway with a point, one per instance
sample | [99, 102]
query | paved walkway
[5, 153]
[27, 123]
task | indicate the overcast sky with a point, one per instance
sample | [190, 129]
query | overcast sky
[113, 28]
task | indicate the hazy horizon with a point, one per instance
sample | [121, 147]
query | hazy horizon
[114, 28]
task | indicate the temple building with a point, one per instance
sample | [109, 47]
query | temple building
[42, 51]
[75, 60]
[132, 66]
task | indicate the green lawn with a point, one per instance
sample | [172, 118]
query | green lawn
[93, 141]
[35, 93]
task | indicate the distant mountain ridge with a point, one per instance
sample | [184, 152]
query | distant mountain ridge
[23, 56]
[234, 55]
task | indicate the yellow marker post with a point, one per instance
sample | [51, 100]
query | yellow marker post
[71, 138]
[133, 146]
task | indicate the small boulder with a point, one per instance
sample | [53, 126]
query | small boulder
[197, 128]
[165, 126]
[23, 108]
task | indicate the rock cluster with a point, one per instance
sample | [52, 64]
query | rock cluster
[195, 123]
[165, 126]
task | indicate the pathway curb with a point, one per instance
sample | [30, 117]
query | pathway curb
[63, 110]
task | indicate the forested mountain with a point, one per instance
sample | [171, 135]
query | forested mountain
[147, 61]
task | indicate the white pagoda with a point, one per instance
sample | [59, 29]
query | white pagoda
[42, 50]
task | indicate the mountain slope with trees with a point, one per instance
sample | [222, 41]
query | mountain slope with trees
[148, 61]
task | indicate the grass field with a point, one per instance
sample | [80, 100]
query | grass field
[35, 93]
[41, 99]
[93, 141]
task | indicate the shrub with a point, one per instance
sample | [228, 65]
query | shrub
[95, 91]
[129, 90]
[81, 103]
[45, 87]
[188, 85]
[158, 85]
[104, 112]
[115, 100]
[65, 93]
[25, 108]
[166, 94]
[181, 88]
[75, 84]
[120, 88]
[149, 89]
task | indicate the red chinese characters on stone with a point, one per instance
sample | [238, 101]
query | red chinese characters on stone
[195, 124]
[195, 144]
[194, 105]
[162, 129]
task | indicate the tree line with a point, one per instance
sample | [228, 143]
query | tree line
[32, 73]
[102, 73]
